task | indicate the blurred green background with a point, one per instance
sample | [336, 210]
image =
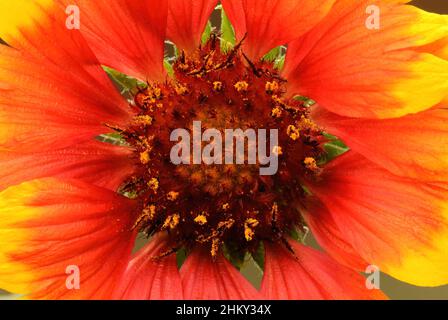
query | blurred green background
[393, 288]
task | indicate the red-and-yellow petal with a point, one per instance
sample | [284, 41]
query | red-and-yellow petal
[187, 20]
[413, 146]
[272, 23]
[126, 35]
[205, 279]
[396, 223]
[53, 92]
[356, 71]
[95, 162]
[149, 278]
[310, 275]
[48, 228]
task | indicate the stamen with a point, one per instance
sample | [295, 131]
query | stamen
[144, 157]
[172, 195]
[249, 226]
[311, 164]
[293, 132]
[171, 221]
[153, 184]
[201, 219]
[271, 87]
[241, 86]
[217, 86]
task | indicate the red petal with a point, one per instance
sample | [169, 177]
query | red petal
[205, 279]
[47, 226]
[187, 20]
[354, 71]
[148, 279]
[53, 91]
[398, 224]
[94, 162]
[412, 146]
[310, 275]
[126, 35]
[329, 237]
[272, 23]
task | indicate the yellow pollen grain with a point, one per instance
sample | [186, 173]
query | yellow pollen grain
[148, 213]
[277, 150]
[276, 99]
[172, 195]
[225, 206]
[217, 86]
[171, 221]
[215, 247]
[241, 86]
[153, 184]
[144, 157]
[143, 120]
[226, 224]
[276, 112]
[271, 87]
[183, 66]
[306, 123]
[311, 164]
[201, 219]
[249, 225]
[180, 89]
[293, 132]
[157, 92]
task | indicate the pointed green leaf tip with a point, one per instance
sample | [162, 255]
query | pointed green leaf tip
[228, 37]
[207, 32]
[124, 83]
[333, 149]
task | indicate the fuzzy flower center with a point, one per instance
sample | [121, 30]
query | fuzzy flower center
[227, 200]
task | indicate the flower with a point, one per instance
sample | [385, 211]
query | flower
[69, 199]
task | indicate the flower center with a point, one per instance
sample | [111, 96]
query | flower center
[227, 200]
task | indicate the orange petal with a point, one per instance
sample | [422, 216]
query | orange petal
[355, 71]
[413, 146]
[53, 231]
[53, 92]
[398, 224]
[310, 275]
[187, 20]
[150, 279]
[205, 279]
[272, 23]
[330, 238]
[94, 162]
[126, 35]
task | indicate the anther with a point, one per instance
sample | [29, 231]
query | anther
[144, 157]
[293, 132]
[172, 195]
[153, 184]
[311, 164]
[217, 86]
[249, 226]
[171, 221]
[201, 219]
[276, 112]
[241, 86]
[271, 87]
